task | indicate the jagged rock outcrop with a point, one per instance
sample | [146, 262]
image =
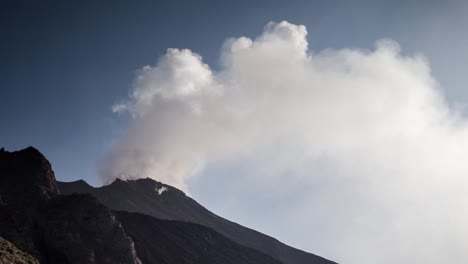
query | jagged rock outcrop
[26, 177]
[56, 228]
[26, 181]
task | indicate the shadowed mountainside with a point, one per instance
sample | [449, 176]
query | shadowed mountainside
[77, 228]
[166, 202]
[55, 228]
[27, 177]
[184, 242]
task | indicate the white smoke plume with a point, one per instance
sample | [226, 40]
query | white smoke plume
[396, 189]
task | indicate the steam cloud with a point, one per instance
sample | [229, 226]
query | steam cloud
[395, 153]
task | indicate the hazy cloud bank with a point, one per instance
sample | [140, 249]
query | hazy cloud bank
[397, 189]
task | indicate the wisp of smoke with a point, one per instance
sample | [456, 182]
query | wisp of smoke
[397, 177]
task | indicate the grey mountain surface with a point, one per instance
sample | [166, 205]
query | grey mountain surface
[169, 241]
[162, 201]
[54, 227]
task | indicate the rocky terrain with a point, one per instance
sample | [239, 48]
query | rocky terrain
[56, 228]
[128, 222]
[167, 241]
[166, 202]
[11, 254]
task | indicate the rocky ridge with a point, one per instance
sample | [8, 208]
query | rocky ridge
[65, 226]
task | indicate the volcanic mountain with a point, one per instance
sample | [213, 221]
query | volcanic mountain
[141, 221]
[162, 201]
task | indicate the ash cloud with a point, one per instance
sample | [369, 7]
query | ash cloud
[395, 149]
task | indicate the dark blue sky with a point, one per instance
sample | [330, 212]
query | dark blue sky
[64, 63]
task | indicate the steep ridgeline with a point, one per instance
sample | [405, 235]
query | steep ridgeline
[51, 227]
[165, 202]
[76, 228]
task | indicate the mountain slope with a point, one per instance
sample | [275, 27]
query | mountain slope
[78, 229]
[185, 243]
[55, 228]
[165, 202]
[10, 254]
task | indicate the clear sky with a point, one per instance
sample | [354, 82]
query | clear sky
[64, 64]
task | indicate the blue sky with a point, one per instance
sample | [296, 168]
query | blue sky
[64, 64]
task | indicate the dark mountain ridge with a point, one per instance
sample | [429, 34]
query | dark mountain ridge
[27, 177]
[54, 227]
[166, 202]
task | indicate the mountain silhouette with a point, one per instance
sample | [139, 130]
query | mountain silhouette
[162, 201]
[127, 222]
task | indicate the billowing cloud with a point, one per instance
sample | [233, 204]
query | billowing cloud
[375, 121]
